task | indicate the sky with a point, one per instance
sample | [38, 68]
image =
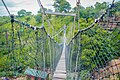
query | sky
[32, 5]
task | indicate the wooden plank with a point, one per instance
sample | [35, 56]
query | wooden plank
[61, 14]
[60, 72]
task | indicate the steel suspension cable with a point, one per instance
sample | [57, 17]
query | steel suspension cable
[6, 8]
[96, 21]
[49, 22]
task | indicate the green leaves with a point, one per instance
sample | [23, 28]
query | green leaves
[23, 12]
[61, 6]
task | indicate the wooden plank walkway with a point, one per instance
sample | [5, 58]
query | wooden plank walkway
[60, 72]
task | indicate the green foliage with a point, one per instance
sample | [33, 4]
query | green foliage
[61, 6]
[38, 18]
[41, 11]
[106, 42]
[23, 13]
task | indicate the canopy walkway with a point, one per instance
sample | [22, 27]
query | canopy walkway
[92, 54]
[60, 72]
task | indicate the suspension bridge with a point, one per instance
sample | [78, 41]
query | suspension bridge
[92, 54]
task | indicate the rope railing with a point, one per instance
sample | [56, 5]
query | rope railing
[30, 47]
[91, 54]
[27, 47]
[96, 20]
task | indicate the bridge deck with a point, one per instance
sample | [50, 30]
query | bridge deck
[60, 73]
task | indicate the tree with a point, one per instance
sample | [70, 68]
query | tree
[28, 13]
[99, 7]
[61, 6]
[38, 18]
[23, 12]
[40, 11]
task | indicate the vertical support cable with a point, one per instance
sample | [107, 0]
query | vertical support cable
[78, 41]
[7, 46]
[78, 9]
[74, 25]
[43, 12]
[78, 51]
[43, 51]
[37, 44]
[50, 59]
[20, 41]
[12, 23]
[53, 55]
[42, 19]
[20, 46]
[37, 48]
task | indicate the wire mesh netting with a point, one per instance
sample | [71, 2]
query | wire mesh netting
[25, 46]
[94, 54]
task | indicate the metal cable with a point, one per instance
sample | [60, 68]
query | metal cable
[6, 8]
